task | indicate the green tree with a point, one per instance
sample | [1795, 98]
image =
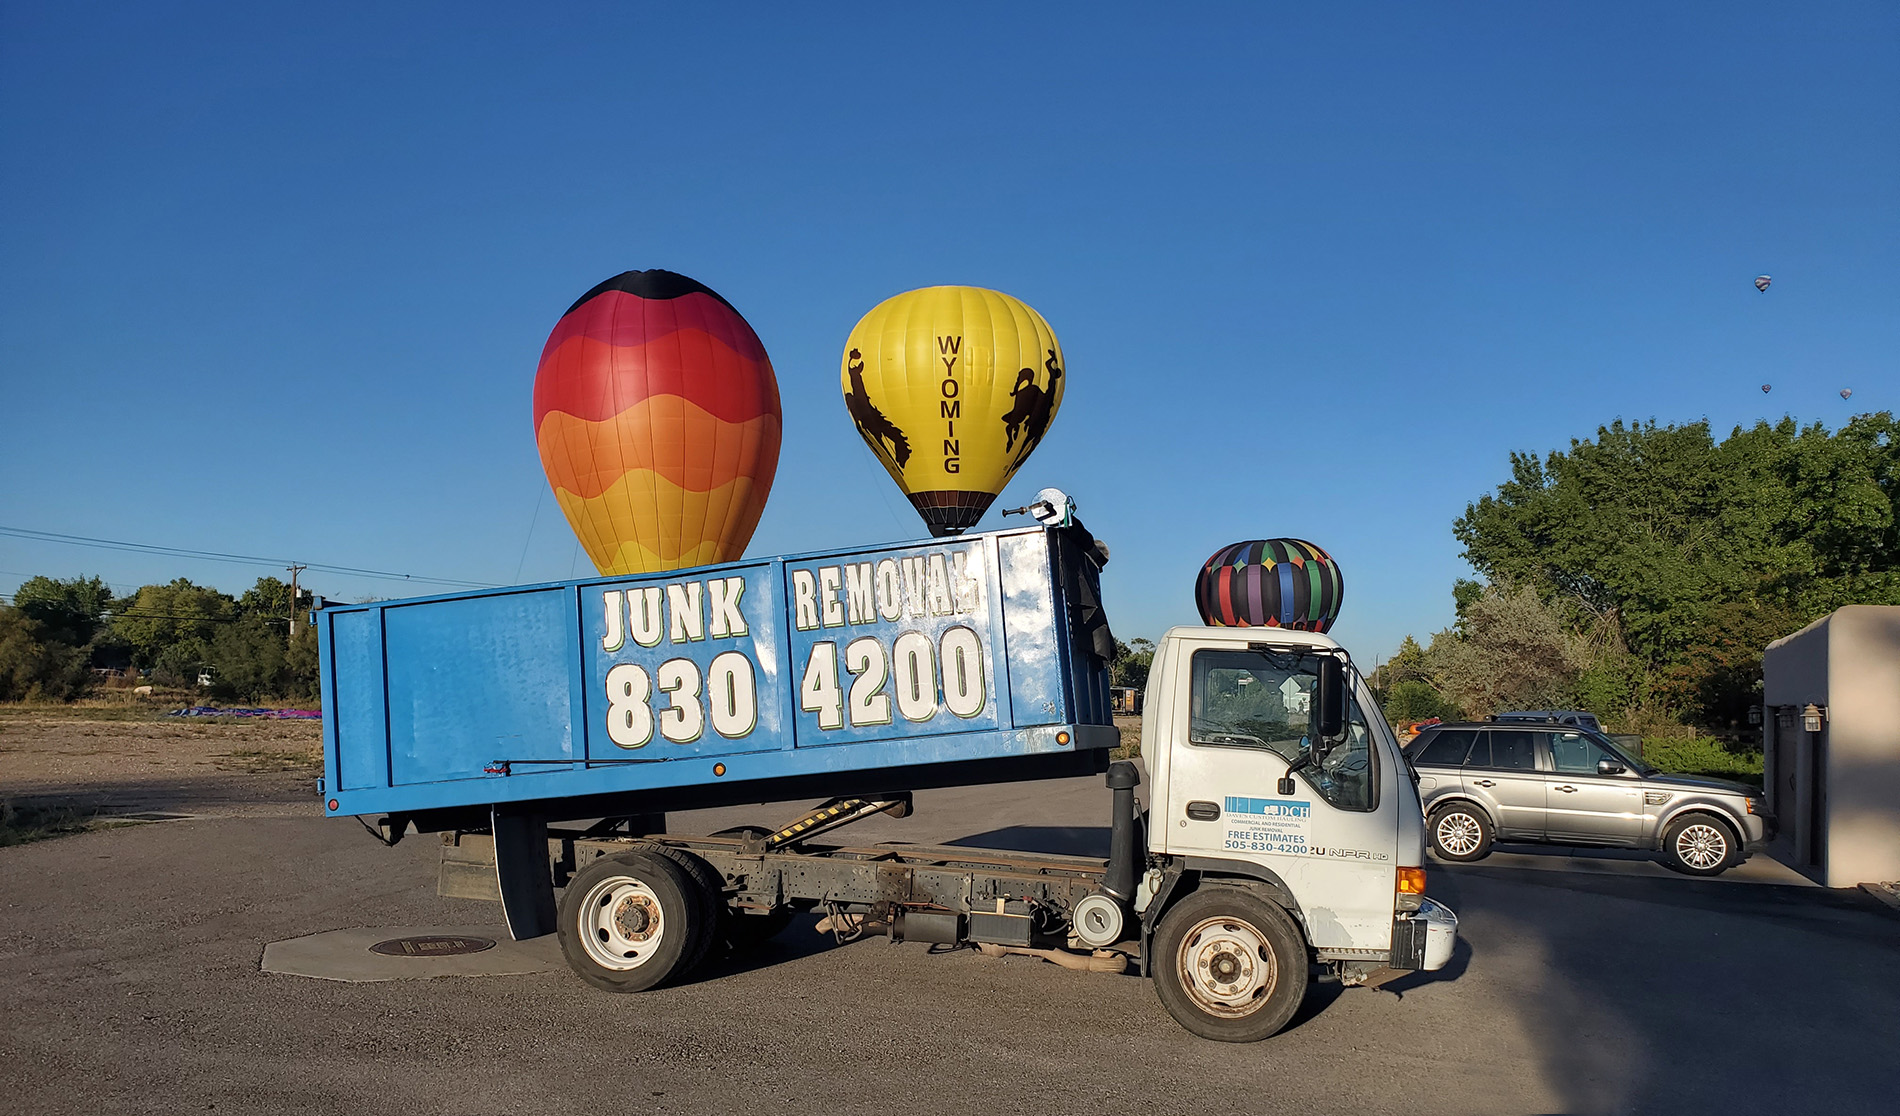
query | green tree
[1674, 558]
[69, 611]
[170, 628]
[252, 657]
[1132, 660]
[1515, 653]
[33, 666]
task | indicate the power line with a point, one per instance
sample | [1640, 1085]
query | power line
[242, 559]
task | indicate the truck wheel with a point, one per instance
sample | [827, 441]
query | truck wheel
[710, 890]
[1699, 845]
[631, 921]
[1229, 966]
[1461, 833]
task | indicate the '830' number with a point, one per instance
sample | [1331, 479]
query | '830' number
[727, 696]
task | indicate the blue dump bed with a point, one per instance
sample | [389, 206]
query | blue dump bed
[981, 658]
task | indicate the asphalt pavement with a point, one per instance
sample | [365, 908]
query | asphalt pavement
[130, 978]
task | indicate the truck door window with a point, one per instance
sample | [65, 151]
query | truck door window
[1253, 699]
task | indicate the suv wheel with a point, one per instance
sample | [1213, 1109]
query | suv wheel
[1461, 833]
[1700, 845]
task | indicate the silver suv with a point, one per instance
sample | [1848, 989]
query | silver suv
[1560, 784]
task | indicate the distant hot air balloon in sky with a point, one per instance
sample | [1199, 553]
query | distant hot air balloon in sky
[1847, 393]
[657, 416]
[1766, 388]
[952, 388]
[1761, 282]
[1270, 583]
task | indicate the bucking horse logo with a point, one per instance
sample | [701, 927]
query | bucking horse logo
[872, 424]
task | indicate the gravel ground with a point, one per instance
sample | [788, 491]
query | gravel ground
[194, 765]
[129, 970]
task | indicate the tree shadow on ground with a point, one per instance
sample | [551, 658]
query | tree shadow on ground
[1643, 993]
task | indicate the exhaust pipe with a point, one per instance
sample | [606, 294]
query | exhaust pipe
[1124, 835]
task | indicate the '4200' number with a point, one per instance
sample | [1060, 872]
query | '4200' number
[916, 676]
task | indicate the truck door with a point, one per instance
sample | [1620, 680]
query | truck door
[1247, 716]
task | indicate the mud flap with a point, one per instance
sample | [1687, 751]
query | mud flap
[522, 873]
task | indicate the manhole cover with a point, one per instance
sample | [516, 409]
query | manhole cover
[432, 946]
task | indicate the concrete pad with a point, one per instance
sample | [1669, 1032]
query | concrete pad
[346, 954]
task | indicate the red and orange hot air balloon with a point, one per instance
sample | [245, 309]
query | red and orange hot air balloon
[657, 414]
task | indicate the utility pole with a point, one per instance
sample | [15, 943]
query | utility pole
[294, 571]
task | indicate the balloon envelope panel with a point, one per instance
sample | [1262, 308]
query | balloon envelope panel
[952, 388]
[657, 415]
[1270, 583]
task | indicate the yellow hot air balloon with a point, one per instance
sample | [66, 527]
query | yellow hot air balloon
[952, 388]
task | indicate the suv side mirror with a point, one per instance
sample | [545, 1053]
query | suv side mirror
[1608, 766]
[1332, 698]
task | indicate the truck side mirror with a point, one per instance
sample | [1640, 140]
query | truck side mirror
[1332, 698]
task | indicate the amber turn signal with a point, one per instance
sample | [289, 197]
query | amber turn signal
[1411, 881]
[1062, 738]
[719, 769]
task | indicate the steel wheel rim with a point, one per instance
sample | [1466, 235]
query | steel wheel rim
[1701, 846]
[1458, 834]
[1227, 967]
[622, 926]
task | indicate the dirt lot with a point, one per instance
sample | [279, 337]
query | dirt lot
[115, 761]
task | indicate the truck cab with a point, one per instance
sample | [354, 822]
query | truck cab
[1272, 772]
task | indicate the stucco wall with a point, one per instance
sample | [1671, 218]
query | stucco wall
[1848, 662]
[1863, 745]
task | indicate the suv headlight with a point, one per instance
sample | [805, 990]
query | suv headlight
[1756, 806]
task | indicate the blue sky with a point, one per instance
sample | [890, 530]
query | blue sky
[274, 279]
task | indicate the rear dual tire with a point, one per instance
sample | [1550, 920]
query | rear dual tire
[640, 919]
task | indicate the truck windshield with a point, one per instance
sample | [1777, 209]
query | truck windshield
[1259, 699]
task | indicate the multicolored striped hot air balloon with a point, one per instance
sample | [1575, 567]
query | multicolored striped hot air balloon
[657, 415]
[1270, 583]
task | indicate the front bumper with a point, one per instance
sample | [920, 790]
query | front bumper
[1424, 939]
[1757, 831]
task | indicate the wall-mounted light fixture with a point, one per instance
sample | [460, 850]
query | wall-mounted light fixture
[1754, 714]
[1812, 716]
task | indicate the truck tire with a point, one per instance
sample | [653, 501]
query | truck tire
[1700, 845]
[746, 931]
[1460, 833]
[633, 921]
[1229, 965]
[709, 888]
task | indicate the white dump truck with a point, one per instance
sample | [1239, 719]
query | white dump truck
[1281, 840]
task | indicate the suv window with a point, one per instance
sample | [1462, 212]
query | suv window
[1505, 750]
[1446, 749]
[1261, 699]
[1575, 754]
